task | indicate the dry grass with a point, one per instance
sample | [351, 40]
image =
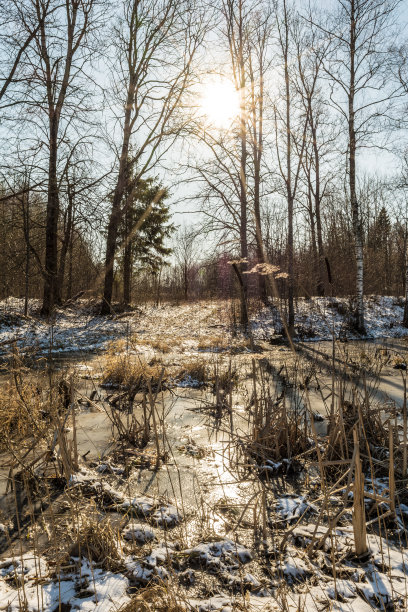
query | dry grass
[96, 540]
[225, 379]
[279, 434]
[29, 408]
[123, 371]
[20, 412]
[196, 369]
[164, 345]
[214, 343]
[154, 599]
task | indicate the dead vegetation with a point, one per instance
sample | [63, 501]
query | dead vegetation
[193, 370]
[126, 371]
[154, 599]
[275, 434]
[95, 539]
[213, 343]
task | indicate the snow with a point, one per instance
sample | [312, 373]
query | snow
[137, 532]
[88, 589]
[166, 517]
[77, 329]
[70, 331]
[317, 318]
[220, 554]
[183, 326]
[142, 506]
[292, 507]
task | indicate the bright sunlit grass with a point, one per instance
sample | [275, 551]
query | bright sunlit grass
[220, 103]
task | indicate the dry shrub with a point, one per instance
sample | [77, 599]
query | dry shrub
[96, 540]
[20, 413]
[163, 343]
[122, 371]
[154, 599]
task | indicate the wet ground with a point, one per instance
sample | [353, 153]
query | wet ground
[204, 477]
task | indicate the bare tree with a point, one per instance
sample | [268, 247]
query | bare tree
[259, 65]
[17, 33]
[52, 70]
[321, 138]
[156, 44]
[186, 254]
[292, 127]
[362, 92]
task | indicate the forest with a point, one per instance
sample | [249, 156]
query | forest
[203, 305]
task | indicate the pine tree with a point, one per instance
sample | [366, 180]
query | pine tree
[144, 229]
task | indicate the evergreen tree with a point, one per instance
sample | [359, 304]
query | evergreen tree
[144, 229]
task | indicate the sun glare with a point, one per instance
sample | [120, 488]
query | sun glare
[220, 103]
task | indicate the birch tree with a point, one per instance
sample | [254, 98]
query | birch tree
[362, 91]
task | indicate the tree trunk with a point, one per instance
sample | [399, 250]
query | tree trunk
[357, 228]
[405, 317]
[127, 259]
[116, 212]
[26, 221]
[64, 247]
[320, 249]
[242, 177]
[51, 231]
[313, 241]
[257, 146]
[70, 269]
[185, 273]
[291, 310]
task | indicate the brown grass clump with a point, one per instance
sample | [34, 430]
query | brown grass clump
[20, 413]
[161, 344]
[196, 369]
[225, 379]
[215, 343]
[154, 599]
[96, 540]
[122, 371]
[28, 409]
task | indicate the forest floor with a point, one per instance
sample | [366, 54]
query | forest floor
[79, 327]
[190, 469]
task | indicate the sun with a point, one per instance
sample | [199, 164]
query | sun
[220, 103]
